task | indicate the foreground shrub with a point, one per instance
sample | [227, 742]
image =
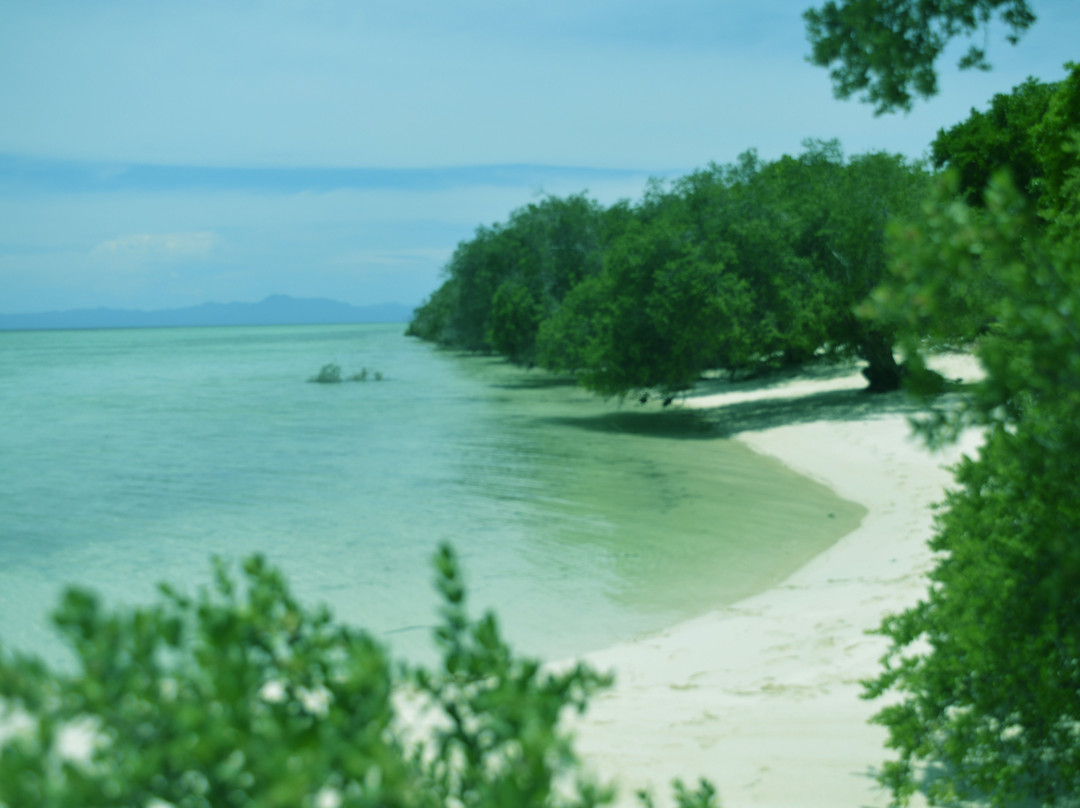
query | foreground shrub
[241, 696]
[982, 678]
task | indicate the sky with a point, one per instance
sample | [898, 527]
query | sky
[167, 154]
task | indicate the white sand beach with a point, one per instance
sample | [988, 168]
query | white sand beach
[762, 697]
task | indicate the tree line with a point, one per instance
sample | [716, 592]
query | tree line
[731, 266]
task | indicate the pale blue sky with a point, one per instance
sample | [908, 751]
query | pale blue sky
[172, 153]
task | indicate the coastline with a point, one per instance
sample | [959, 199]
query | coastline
[762, 697]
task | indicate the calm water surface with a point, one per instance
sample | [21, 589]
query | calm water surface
[132, 456]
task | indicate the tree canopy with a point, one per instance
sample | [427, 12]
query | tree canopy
[728, 267]
[1005, 136]
[887, 49]
[506, 279]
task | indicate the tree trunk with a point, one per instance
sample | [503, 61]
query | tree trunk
[882, 370]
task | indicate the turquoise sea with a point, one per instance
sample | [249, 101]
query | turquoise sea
[128, 457]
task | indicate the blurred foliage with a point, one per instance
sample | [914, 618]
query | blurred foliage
[987, 666]
[887, 49]
[241, 696]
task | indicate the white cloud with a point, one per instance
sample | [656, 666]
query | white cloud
[162, 245]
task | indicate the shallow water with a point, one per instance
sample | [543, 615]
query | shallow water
[131, 456]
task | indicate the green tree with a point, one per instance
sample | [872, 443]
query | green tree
[746, 211]
[731, 266]
[736, 266]
[556, 244]
[983, 675]
[1055, 137]
[654, 319]
[477, 268]
[858, 202]
[1002, 137]
[503, 282]
[887, 49]
[515, 321]
[995, 696]
[431, 320]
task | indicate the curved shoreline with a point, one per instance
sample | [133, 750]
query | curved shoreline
[762, 697]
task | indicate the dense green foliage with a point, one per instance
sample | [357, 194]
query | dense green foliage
[650, 319]
[886, 49]
[242, 696]
[729, 267]
[508, 277]
[1005, 136]
[983, 676]
[737, 266]
[995, 695]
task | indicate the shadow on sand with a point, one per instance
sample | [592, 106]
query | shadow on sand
[816, 371]
[833, 405]
[726, 420]
[747, 416]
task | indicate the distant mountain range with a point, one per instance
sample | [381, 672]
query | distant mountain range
[275, 310]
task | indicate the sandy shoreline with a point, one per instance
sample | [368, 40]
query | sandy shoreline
[762, 697]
